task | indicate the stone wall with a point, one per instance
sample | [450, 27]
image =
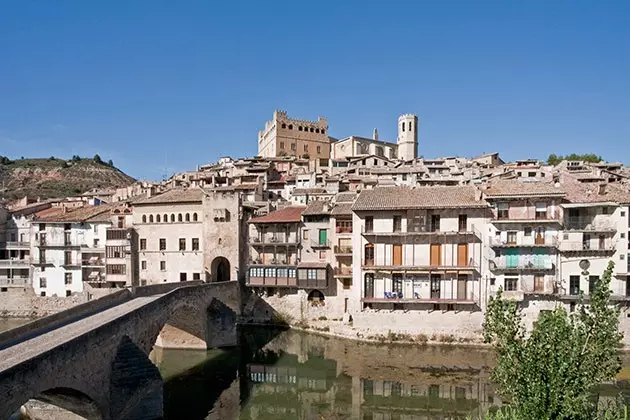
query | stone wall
[24, 303]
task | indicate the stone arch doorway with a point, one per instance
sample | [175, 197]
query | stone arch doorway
[220, 270]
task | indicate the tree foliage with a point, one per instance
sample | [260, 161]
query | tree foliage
[97, 159]
[551, 372]
[554, 159]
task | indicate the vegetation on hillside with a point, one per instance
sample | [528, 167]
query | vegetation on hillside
[55, 177]
[552, 372]
[554, 159]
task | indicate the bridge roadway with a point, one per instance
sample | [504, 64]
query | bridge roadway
[99, 351]
[34, 347]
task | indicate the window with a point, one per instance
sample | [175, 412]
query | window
[143, 244]
[623, 214]
[151, 219]
[158, 218]
[397, 284]
[115, 252]
[284, 125]
[511, 284]
[116, 269]
[503, 210]
[574, 285]
[187, 217]
[410, 126]
[68, 293]
[305, 234]
[196, 276]
[293, 147]
[162, 265]
[67, 258]
[306, 148]
[300, 128]
[162, 244]
[369, 223]
[404, 176]
[527, 231]
[322, 255]
[42, 294]
[622, 257]
[182, 244]
[68, 279]
[403, 126]
[165, 218]
[323, 131]
[369, 254]
[623, 235]
[172, 218]
[319, 149]
[290, 126]
[604, 210]
[144, 218]
[541, 210]
[375, 162]
[397, 223]
[539, 283]
[592, 281]
[511, 238]
[368, 285]
[195, 244]
[194, 217]
[180, 218]
[493, 281]
[435, 223]
[143, 265]
[42, 282]
[282, 145]
[531, 174]
[463, 223]
[182, 276]
[311, 274]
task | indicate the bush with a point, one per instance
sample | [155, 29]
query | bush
[422, 338]
[322, 318]
[281, 318]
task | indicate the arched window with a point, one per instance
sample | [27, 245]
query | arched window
[369, 254]
[172, 218]
[194, 217]
[312, 130]
[323, 131]
[188, 217]
[284, 125]
[300, 128]
[403, 126]
[179, 217]
[317, 130]
[151, 219]
[144, 218]
[165, 218]
[290, 126]
[316, 298]
[410, 126]
[158, 218]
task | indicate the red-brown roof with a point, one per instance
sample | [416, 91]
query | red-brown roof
[290, 214]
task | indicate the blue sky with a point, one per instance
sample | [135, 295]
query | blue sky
[163, 86]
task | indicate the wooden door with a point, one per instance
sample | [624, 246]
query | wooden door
[462, 255]
[397, 254]
[436, 279]
[539, 283]
[436, 255]
[462, 289]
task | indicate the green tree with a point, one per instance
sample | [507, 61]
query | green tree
[553, 159]
[97, 159]
[551, 373]
[110, 163]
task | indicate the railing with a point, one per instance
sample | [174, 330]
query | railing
[530, 241]
[340, 250]
[117, 234]
[533, 265]
[16, 244]
[15, 263]
[320, 244]
[274, 261]
[528, 217]
[93, 262]
[576, 246]
[470, 264]
[588, 224]
[277, 239]
[342, 271]
[14, 281]
[71, 262]
[343, 229]
[419, 230]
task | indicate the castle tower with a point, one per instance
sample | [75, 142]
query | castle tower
[407, 137]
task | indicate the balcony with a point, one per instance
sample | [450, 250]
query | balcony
[343, 230]
[370, 265]
[607, 247]
[501, 264]
[274, 240]
[118, 234]
[13, 245]
[537, 219]
[93, 262]
[321, 243]
[529, 242]
[276, 276]
[65, 243]
[14, 281]
[15, 263]
[343, 251]
[589, 224]
[43, 262]
[71, 263]
[420, 230]
[343, 272]
[418, 300]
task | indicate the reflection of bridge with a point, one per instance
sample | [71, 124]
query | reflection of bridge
[98, 352]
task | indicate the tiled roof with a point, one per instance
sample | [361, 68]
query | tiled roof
[313, 264]
[303, 191]
[192, 195]
[400, 198]
[346, 197]
[317, 207]
[289, 214]
[578, 192]
[515, 188]
[80, 214]
[342, 209]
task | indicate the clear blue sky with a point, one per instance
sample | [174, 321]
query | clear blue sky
[154, 84]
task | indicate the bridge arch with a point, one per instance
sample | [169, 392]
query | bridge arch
[220, 269]
[62, 400]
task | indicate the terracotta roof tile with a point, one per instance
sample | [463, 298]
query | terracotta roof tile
[303, 191]
[399, 198]
[515, 188]
[192, 195]
[289, 214]
[317, 207]
[80, 214]
[342, 209]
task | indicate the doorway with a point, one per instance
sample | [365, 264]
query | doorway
[462, 255]
[436, 255]
[397, 254]
[462, 289]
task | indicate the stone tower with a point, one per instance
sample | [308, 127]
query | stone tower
[407, 137]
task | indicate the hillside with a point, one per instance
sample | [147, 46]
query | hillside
[52, 178]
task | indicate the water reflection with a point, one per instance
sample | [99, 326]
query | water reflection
[293, 375]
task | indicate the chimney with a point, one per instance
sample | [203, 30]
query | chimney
[375, 134]
[149, 192]
[602, 189]
[477, 194]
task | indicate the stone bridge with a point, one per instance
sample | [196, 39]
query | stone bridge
[97, 353]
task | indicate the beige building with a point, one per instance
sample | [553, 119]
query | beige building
[284, 136]
[170, 240]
